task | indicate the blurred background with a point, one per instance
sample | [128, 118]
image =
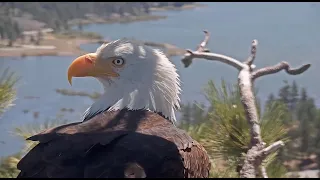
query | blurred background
[38, 41]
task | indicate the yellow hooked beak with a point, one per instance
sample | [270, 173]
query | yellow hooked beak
[86, 65]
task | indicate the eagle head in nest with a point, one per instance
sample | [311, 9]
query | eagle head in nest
[134, 76]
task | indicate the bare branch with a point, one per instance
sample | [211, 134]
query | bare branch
[272, 148]
[257, 151]
[252, 56]
[187, 60]
[263, 171]
[267, 151]
[281, 66]
[202, 53]
[203, 44]
[216, 57]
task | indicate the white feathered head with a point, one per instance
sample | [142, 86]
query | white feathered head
[134, 76]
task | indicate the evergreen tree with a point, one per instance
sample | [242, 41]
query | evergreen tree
[12, 31]
[294, 96]
[316, 141]
[186, 114]
[198, 113]
[303, 95]
[80, 26]
[306, 114]
[39, 37]
[284, 93]
[17, 29]
[225, 134]
[57, 25]
[270, 100]
[2, 31]
[32, 39]
[65, 25]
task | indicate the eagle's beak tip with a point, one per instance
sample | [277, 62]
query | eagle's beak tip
[70, 80]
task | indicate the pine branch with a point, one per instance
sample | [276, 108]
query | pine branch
[257, 152]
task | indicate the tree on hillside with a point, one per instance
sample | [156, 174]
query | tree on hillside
[80, 26]
[294, 95]
[192, 114]
[2, 32]
[186, 115]
[271, 99]
[50, 12]
[9, 29]
[57, 25]
[198, 112]
[39, 37]
[316, 139]
[304, 127]
[284, 93]
[32, 39]
[306, 114]
[65, 25]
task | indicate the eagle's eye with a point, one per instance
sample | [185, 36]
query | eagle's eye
[118, 61]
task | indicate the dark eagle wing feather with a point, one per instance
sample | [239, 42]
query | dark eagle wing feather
[194, 156]
[94, 150]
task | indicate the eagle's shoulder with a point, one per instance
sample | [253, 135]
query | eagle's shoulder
[195, 158]
[104, 145]
[131, 120]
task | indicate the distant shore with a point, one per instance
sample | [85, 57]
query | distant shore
[125, 19]
[57, 45]
[184, 7]
[50, 46]
[130, 19]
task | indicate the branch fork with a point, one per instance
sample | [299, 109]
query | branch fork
[258, 152]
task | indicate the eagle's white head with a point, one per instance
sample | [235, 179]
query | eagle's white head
[133, 75]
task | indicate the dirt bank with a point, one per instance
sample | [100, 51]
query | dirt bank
[49, 46]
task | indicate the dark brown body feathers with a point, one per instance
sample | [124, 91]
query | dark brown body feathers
[104, 146]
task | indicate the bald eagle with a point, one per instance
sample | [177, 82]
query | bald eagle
[129, 131]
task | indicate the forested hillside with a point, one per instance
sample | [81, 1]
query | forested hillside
[16, 17]
[57, 15]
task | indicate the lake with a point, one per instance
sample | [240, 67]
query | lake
[286, 31]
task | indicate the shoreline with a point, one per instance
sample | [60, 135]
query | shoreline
[61, 47]
[184, 7]
[56, 45]
[132, 19]
[128, 19]
[72, 48]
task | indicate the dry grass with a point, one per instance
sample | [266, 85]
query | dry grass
[64, 47]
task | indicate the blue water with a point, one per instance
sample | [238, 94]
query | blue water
[286, 31]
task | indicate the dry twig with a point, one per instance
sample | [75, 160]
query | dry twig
[257, 152]
[264, 172]
[187, 60]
